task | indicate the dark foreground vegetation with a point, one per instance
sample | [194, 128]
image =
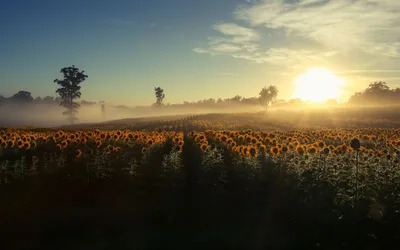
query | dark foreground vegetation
[200, 190]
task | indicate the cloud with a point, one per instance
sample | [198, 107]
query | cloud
[226, 48]
[340, 24]
[237, 33]
[122, 21]
[369, 71]
[273, 31]
[234, 39]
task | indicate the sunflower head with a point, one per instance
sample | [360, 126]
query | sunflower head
[204, 147]
[274, 150]
[178, 148]
[253, 151]
[355, 144]
[78, 153]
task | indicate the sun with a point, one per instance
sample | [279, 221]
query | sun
[318, 85]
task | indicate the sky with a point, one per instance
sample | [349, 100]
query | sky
[195, 49]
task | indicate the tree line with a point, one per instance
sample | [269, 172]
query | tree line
[70, 85]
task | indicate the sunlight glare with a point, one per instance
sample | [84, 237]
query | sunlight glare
[318, 85]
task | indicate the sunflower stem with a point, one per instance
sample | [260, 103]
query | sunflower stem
[356, 194]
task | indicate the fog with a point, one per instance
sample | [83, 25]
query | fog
[50, 115]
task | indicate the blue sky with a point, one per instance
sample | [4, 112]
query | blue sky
[195, 49]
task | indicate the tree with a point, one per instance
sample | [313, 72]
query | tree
[70, 90]
[268, 95]
[331, 102]
[377, 93]
[103, 107]
[159, 92]
[22, 96]
[48, 99]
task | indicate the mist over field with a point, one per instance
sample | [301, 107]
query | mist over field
[50, 115]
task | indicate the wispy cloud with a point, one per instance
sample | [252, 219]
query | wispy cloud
[337, 28]
[234, 39]
[237, 33]
[122, 21]
[371, 71]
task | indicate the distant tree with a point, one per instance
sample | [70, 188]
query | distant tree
[236, 99]
[69, 90]
[38, 99]
[103, 108]
[295, 102]
[331, 102]
[268, 95]
[22, 96]
[83, 102]
[48, 99]
[376, 93]
[377, 87]
[159, 92]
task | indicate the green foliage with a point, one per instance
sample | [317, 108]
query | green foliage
[268, 95]
[69, 90]
[159, 92]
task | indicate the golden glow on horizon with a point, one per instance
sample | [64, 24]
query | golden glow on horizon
[318, 85]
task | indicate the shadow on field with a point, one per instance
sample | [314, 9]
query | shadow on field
[226, 207]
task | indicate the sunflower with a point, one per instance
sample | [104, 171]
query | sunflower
[244, 151]
[300, 150]
[312, 150]
[26, 145]
[78, 153]
[204, 147]
[262, 148]
[321, 144]
[253, 151]
[355, 144]
[274, 150]
[20, 143]
[178, 148]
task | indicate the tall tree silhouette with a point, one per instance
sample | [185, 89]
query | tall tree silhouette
[69, 90]
[268, 95]
[159, 92]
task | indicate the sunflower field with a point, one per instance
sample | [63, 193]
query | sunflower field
[175, 187]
